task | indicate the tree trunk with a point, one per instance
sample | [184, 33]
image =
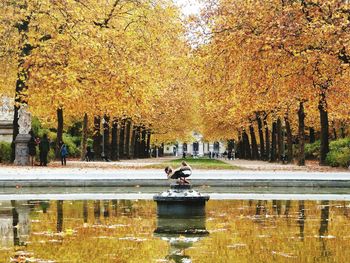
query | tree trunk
[143, 143]
[97, 138]
[280, 150]
[59, 138]
[137, 142]
[125, 142]
[301, 134]
[289, 140]
[273, 142]
[255, 151]
[230, 145]
[133, 142]
[246, 146]
[342, 130]
[106, 137]
[312, 135]
[267, 137]
[128, 139]
[115, 140]
[22, 77]
[84, 137]
[148, 144]
[322, 107]
[122, 139]
[334, 131]
[161, 150]
[261, 137]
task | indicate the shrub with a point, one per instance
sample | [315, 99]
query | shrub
[5, 152]
[51, 156]
[312, 150]
[340, 157]
[339, 144]
[339, 153]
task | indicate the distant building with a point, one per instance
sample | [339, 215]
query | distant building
[197, 147]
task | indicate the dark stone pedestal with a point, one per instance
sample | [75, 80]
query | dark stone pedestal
[180, 220]
[22, 150]
[180, 201]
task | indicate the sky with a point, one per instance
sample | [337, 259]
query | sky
[189, 7]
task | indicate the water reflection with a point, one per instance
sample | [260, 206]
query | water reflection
[130, 231]
[85, 211]
[14, 223]
[301, 219]
[181, 233]
[323, 231]
[97, 211]
[59, 216]
[106, 209]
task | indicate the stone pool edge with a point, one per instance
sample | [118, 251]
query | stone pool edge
[160, 182]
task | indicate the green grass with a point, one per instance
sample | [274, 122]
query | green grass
[197, 163]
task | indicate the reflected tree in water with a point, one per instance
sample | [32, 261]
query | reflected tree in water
[324, 218]
[85, 211]
[15, 221]
[287, 211]
[59, 216]
[126, 206]
[97, 211]
[115, 207]
[301, 219]
[323, 231]
[277, 207]
[260, 208]
[44, 206]
[106, 209]
[346, 209]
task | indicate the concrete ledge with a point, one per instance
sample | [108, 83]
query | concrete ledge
[161, 182]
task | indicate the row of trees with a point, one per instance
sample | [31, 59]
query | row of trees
[124, 61]
[273, 64]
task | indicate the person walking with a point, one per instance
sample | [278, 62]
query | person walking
[63, 153]
[89, 156]
[229, 155]
[225, 155]
[44, 148]
[32, 149]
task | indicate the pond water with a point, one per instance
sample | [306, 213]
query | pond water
[124, 231]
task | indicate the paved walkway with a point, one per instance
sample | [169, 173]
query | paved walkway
[267, 166]
[130, 164]
[67, 176]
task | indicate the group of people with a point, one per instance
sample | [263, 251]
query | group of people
[230, 155]
[44, 149]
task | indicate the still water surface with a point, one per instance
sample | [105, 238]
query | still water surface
[124, 231]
